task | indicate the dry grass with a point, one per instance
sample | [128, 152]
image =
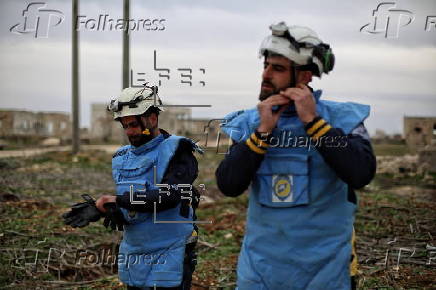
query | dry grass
[393, 214]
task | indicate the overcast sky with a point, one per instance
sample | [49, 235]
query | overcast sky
[395, 75]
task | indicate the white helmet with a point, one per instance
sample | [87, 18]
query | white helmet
[135, 102]
[301, 45]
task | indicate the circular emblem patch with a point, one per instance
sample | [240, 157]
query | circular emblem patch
[282, 187]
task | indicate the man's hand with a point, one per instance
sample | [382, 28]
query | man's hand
[113, 217]
[268, 118]
[304, 102]
[104, 199]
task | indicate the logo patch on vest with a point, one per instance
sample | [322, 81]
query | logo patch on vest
[282, 188]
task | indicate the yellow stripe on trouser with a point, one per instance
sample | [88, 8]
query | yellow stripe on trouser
[354, 265]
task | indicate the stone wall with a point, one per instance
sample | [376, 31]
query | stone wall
[419, 131]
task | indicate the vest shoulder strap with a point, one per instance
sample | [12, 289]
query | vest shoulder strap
[239, 125]
[121, 151]
[347, 115]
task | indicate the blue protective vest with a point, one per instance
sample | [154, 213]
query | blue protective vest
[150, 253]
[299, 221]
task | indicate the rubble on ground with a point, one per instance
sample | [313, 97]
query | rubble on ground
[422, 163]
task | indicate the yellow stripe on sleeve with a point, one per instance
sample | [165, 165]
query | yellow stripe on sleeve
[254, 147]
[322, 131]
[258, 141]
[315, 127]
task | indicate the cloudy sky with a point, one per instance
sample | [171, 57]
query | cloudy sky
[395, 75]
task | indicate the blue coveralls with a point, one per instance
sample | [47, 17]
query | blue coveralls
[150, 254]
[299, 221]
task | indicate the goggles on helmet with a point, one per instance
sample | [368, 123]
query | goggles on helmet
[281, 30]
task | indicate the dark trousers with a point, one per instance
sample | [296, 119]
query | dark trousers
[189, 263]
[353, 283]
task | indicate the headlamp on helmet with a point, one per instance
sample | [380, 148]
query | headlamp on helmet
[135, 102]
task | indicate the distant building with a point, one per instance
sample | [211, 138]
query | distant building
[176, 120]
[381, 137]
[21, 123]
[103, 127]
[380, 134]
[419, 131]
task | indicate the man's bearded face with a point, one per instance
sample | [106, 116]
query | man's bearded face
[133, 130]
[276, 76]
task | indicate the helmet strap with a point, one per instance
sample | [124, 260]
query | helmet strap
[293, 81]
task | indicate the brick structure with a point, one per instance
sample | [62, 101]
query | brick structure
[420, 132]
[20, 123]
[103, 128]
[176, 120]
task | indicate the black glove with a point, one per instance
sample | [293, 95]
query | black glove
[113, 216]
[82, 213]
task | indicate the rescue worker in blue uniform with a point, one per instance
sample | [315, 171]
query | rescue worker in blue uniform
[303, 158]
[155, 200]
